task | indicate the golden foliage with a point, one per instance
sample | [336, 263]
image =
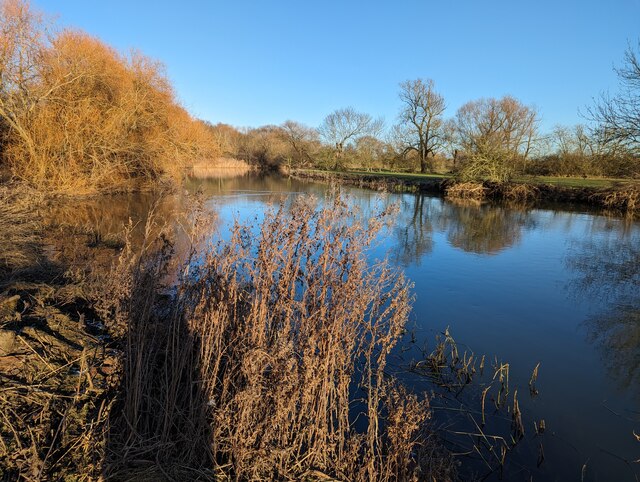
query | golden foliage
[88, 117]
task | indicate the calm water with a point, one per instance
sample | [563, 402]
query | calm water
[553, 286]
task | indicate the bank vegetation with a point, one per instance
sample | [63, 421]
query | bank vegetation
[264, 357]
[78, 116]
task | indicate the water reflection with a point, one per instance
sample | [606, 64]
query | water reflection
[617, 334]
[468, 226]
[413, 230]
[508, 302]
[483, 229]
[608, 268]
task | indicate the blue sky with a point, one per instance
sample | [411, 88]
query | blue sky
[250, 63]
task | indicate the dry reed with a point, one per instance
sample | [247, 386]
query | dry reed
[476, 429]
[520, 192]
[270, 361]
[266, 359]
[625, 199]
[19, 225]
[224, 167]
[466, 190]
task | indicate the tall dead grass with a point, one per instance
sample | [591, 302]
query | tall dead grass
[19, 225]
[466, 190]
[222, 167]
[268, 362]
[626, 199]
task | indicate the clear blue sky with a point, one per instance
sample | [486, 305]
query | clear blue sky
[250, 63]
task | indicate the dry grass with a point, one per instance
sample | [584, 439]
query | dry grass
[265, 359]
[466, 190]
[520, 192]
[19, 224]
[223, 167]
[270, 362]
[56, 368]
[626, 199]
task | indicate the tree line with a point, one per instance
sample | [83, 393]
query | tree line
[489, 138]
[77, 115]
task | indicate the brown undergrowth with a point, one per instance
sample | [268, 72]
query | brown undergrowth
[269, 361]
[77, 116]
[466, 190]
[261, 357]
[57, 362]
[626, 199]
[19, 224]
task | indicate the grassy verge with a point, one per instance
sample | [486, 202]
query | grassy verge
[578, 182]
[616, 195]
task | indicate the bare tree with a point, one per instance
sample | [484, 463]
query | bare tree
[619, 116]
[346, 125]
[372, 152]
[301, 138]
[496, 135]
[420, 127]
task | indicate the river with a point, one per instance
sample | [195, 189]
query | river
[558, 286]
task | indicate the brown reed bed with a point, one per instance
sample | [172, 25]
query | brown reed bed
[223, 167]
[625, 199]
[519, 192]
[263, 357]
[466, 190]
[19, 224]
[270, 361]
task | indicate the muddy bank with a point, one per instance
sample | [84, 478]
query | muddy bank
[625, 198]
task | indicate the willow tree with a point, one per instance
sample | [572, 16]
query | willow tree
[77, 115]
[420, 127]
[23, 38]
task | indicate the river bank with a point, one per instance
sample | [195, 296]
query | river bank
[90, 303]
[621, 197]
[525, 286]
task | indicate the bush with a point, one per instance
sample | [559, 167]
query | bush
[85, 117]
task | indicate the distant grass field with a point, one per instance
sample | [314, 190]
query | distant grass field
[386, 174]
[575, 182]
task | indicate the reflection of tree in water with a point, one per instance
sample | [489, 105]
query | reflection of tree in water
[470, 226]
[617, 333]
[484, 229]
[608, 268]
[414, 230]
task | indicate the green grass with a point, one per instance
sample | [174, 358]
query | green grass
[575, 182]
[385, 174]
